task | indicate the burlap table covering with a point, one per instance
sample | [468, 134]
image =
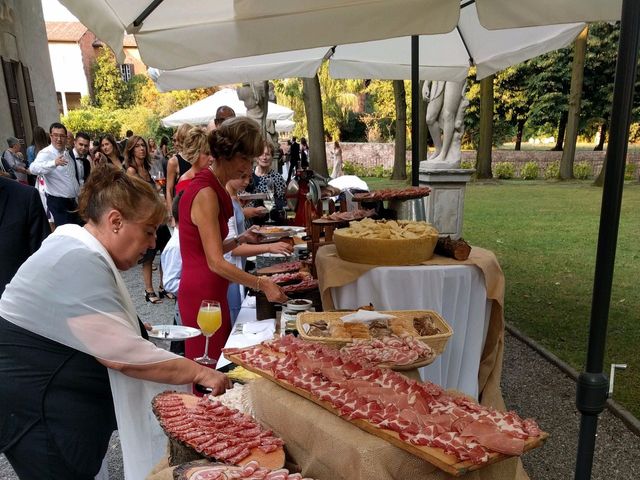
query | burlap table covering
[327, 447]
[335, 272]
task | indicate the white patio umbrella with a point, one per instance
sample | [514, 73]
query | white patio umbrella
[442, 56]
[448, 56]
[202, 112]
[178, 33]
[297, 63]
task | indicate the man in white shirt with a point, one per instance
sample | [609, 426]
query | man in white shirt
[171, 260]
[61, 177]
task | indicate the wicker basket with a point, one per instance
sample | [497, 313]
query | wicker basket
[379, 251]
[436, 342]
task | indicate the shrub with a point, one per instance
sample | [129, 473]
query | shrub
[630, 171]
[467, 164]
[582, 171]
[348, 168]
[504, 170]
[552, 171]
[530, 171]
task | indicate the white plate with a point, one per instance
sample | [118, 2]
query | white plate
[173, 332]
[253, 196]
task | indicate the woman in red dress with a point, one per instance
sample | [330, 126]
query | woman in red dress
[205, 209]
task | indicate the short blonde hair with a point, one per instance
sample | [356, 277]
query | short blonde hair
[194, 144]
[109, 187]
[181, 134]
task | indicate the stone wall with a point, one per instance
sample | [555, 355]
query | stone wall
[370, 155]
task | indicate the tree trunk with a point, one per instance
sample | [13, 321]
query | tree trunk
[400, 156]
[520, 126]
[483, 163]
[562, 127]
[315, 125]
[599, 181]
[603, 137]
[422, 126]
[575, 97]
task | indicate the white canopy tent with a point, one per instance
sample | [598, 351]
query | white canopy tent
[285, 126]
[202, 112]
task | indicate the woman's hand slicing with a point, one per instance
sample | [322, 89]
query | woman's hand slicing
[218, 382]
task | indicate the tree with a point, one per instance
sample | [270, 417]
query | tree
[313, 106]
[483, 162]
[109, 90]
[513, 98]
[400, 153]
[548, 85]
[577, 76]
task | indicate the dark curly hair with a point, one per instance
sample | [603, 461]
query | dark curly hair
[236, 136]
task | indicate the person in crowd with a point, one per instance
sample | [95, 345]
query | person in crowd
[205, 210]
[40, 141]
[62, 186]
[70, 139]
[304, 154]
[164, 146]
[23, 227]
[238, 255]
[172, 269]
[195, 150]
[336, 153]
[294, 158]
[13, 161]
[155, 152]
[266, 180]
[95, 146]
[222, 113]
[65, 381]
[80, 153]
[177, 165]
[137, 163]
[123, 143]
[109, 151]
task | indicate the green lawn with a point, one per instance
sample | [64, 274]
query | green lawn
[545, 234]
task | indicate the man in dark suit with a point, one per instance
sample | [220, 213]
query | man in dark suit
[23, 227]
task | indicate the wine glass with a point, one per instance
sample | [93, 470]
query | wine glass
[269, 201]
[209, 320]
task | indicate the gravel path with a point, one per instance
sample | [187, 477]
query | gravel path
[531, 386]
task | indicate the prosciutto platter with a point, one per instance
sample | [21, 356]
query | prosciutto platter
[216, 431]
[219, 471]
[393, 194]
[454, 433]
[280, 268]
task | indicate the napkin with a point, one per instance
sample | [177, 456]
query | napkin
[252, 334]
[259, 327]
[365, 316]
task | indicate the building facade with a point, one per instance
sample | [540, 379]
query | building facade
[26, 86]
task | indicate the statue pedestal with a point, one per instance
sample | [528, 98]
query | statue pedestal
[445, 205]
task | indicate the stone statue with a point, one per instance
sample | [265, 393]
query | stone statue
[272, 134]
[255, 98]
[445, 120]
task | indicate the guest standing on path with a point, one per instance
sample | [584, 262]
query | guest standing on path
[62, 182]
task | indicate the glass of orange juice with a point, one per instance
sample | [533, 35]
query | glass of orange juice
[209, 320]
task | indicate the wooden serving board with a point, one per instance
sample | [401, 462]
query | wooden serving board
[435, 456]
[272, 460]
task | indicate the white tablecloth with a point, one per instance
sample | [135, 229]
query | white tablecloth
[457, 293]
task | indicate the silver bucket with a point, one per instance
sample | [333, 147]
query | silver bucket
[410, 209]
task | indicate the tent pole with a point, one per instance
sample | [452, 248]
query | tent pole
[415, 111]
[592, 386]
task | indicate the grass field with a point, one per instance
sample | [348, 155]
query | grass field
[545, 234]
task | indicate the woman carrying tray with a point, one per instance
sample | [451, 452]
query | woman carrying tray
[74, 356]
[205, 210]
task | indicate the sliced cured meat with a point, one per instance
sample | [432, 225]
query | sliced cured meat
[422, 414]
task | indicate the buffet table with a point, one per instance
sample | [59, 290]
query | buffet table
[468, 294]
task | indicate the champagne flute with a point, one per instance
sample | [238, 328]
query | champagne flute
[209, 320]
[269, 201]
